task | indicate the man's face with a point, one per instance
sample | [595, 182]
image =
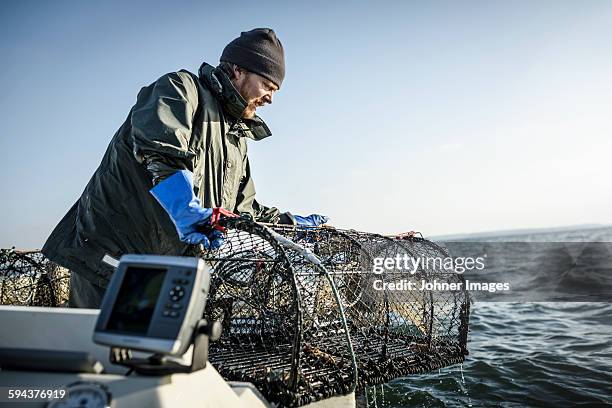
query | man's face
[255, 89]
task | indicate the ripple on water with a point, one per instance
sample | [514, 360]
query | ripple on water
[533, 354]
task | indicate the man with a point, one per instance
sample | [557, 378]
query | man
[181, 151]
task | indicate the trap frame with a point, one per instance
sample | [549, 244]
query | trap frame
[303, 314]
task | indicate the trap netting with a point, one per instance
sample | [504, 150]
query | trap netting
[307, 313]
[283, 325]
[397, 328]
[302, 307]
[27, 278]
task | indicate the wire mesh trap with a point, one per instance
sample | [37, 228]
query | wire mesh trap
[395, 330]
[298, 305]
[307, 313]
[27, 278]
[283, 325]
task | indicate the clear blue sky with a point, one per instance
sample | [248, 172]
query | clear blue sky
[445, 117]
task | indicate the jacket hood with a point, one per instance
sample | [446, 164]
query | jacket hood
[233, 103]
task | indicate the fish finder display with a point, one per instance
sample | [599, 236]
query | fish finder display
[136, 300]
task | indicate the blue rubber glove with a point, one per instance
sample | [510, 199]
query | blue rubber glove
[175, 194]
[313, 220]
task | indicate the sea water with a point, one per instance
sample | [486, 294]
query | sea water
[522, 354]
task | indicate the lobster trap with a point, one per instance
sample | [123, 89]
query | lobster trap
[396, 324]
[27, 278]
[283, 325]
[307, 313]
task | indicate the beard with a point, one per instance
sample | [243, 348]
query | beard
[249, 111]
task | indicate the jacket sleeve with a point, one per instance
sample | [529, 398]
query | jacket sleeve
[161, 123]
[246, 203]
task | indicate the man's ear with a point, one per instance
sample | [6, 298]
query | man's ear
[238, 72]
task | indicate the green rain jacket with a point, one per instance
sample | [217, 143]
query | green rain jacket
[181, 121]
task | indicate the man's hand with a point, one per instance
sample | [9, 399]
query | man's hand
[176, 196]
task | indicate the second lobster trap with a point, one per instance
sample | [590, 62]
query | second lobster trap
[308, 313]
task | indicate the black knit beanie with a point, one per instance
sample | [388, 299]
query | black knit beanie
[258, 51]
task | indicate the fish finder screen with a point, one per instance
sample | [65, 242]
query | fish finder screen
[136, 301]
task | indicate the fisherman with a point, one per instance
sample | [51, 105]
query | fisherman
[181, 152]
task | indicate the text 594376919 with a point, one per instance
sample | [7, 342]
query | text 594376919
[14, 394]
